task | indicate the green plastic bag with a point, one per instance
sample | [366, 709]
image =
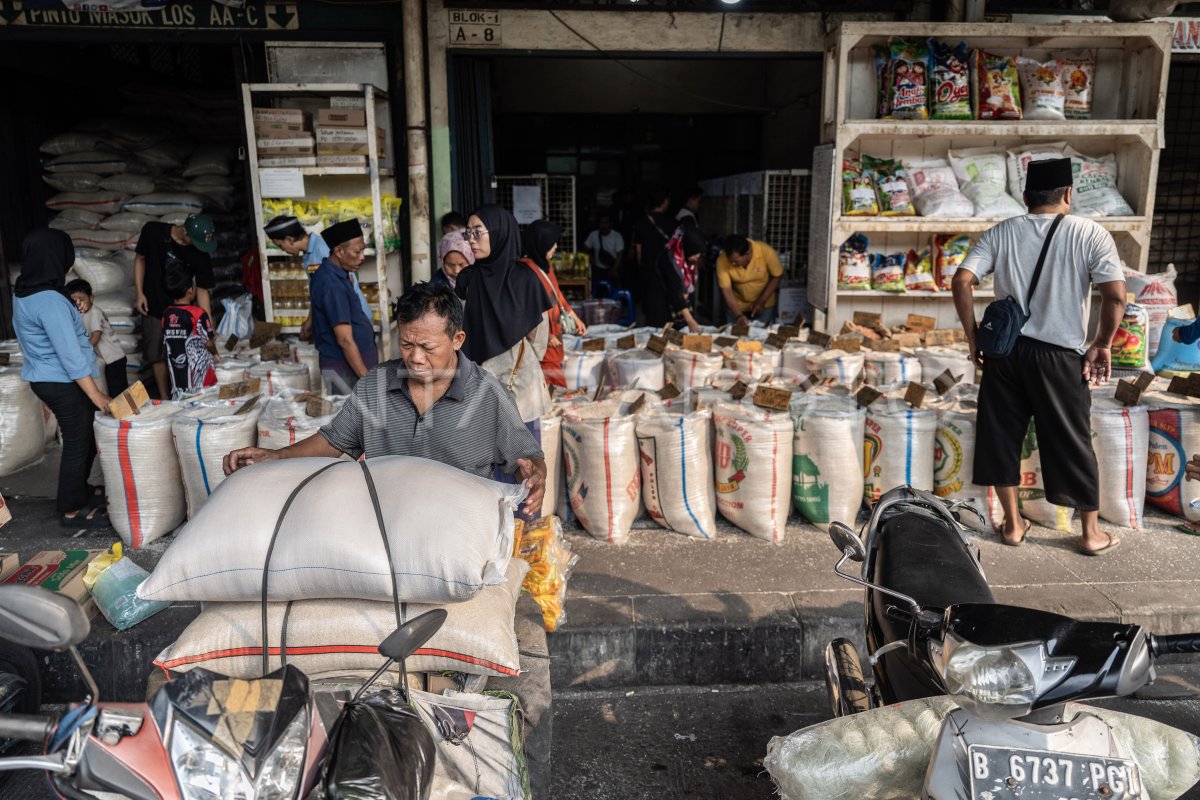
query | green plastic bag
[115, 592]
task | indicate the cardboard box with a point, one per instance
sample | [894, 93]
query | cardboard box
[292, 115]
[285, 152]
[355, 101]
[5, 512]
[300, 145]
[342, 117]
[341, 160]
[348, 135]
[273, 130]
[347, 150]
[129, 402]
[8, 565]
[59, 571]
[288, 161]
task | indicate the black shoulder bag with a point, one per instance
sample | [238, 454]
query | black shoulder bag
[1003, 319]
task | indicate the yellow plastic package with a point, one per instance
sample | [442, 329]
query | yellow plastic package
[541, 543]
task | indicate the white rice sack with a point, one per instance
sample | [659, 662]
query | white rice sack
[104, 275]
[274, 376]
[284, 422]
[954, 461]
[71, 217]
[677, 472]
[99, 239]
[162, 203]
[174, 217]
[1096, 193]
[163, 157]
[1121, 439]
[89, 161]
[981, 176]
[688, 370]
[1019, 159]
[321, 636]
[128, 342]
[600, 458]
[307, 355]
[764, 364]
[100, 202]
[753, 468]
[22, 426]
[827, 465]
[842, 368]
[1156, 294]
[207, 160]
[128, 182]
[125, 325]
[583, 369]
[115, 303]
[65, 143]
[231, 370]
[141, 474]
[794, 362]
[1174, 439]
[641, 369]
[551, 441]
[203, 437]
[333, 546]
[126, 221]
[936, 360]
[934, 189]
[898, 444]
[1031, 494]
[72, 181]
[880, 369]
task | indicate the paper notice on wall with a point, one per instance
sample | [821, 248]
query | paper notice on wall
[527, 204]
[281, 182]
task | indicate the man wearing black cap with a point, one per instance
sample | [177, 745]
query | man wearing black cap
[160, 247]
[1048, 372]
[342, 331]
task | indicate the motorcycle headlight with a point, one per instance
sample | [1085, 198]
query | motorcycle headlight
[206, 772]
[998, 682]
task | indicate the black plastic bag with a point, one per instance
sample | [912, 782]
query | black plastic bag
[379, 750]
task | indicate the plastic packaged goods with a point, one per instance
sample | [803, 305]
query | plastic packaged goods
[600, 458]
[141, 473]
[908, 80]
[995, 86]
[1121, 439]
[827, 460]
[1156, 294]
[551, 436]
[1077, 71]
[950, 88]
[936, 360]
[583, 369]
[981, 176]
[858, 190]
[854, 264]
[954, 459]
[891, 186]
[753, 468]
[689, 370]
[203, 436]
[887, 273]
[1176, 356]
[949, 251]
[334, 548]
[284, 421]
[837, 367]
[753, 366]
[1096, 193]
[1041, 89]
[1174, 438]
[275, 376]
[542, 545]
[641, 369]
[331, 635]
[1130, 345]
[934, 189]
[115, 591]
[1031, 494]
[1019, 159]
[898, 447]
[881, 369]
[677, 471]
[918, 271]
[22, 426]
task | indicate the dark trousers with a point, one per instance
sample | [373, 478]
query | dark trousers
[1046, 383]
[116, 377]
[75, 413]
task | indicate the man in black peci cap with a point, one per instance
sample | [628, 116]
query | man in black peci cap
[1048, 373]
[342, 332]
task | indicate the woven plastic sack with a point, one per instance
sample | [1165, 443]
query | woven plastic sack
[753, 468]
[688, 370]
[477, 638]
[1121, 439]
[99, 239]
[1031, 494]
[843, 369]
[1176, 356]
[793, 364]
[641, 369]
[1174, 439]
[677, 472]
[583, 369]
[162, 203]
[827, 460]
[880, 369]
[284, 421]
[981, 176]
[600, 459]
[22, 426]
[757, 366]
[551, 436]
[307, 355]
[936, 360]
[126, 222]
[954, 460]
[141, 474]
[128, 182]
[203, 437]
[104, 274]
[330, 543]
[64, 143]
[232, 370]
[1156, 294]
[898, 447]
[72, 181]
[100, 202]
[275, 376]
[88, 161]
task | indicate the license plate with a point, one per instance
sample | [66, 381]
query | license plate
[1002, 773]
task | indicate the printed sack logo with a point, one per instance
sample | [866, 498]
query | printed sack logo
[732, 454]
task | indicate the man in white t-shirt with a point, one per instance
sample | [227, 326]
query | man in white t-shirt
[607, 247]
[1047, 375]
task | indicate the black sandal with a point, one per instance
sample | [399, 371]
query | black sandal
[91, 518]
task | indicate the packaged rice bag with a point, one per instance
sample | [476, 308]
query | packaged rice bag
[1129, 345]
[934, 189]
[858, 190]
[1041, 89]
[908, 80]
[891, 186]
[949, 251]
[918, 271]
[854, 264]
[882, 59]
[996, 87]
[981, 175]
[887, 273]
[950, 81]
[1019, 159]
[1077, 71]
[1096, 193]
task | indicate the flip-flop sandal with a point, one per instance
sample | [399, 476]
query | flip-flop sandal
[1113, 544]
[88, 518]
[96, 498]
[1018, 542]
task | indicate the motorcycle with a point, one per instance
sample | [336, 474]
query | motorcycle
[203, 736]
[986, 692]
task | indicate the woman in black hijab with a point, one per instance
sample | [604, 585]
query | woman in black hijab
[541, 240]
[59, 366]
[671, 290]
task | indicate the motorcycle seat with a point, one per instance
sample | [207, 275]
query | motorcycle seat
[927, 560]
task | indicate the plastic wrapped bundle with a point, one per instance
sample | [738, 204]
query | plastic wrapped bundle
[827, 468]
[753, 468]
[676, 463]
[203, 436]
[541, 543]
[22, 425]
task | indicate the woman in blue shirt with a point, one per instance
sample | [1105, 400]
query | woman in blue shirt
[59, 366]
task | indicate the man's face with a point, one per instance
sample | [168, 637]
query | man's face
[350, 253]
[605, 225]
[693, 204]
[82, 301]
[290, 245]
[740, 260]
[426, 350]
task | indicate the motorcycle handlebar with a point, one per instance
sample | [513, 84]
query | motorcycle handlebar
[1178, 643]
[28, 727]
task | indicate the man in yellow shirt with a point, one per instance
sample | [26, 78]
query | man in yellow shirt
[748, 273]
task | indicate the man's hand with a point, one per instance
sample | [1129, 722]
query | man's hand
[306, 329]
[1193, 469]
[742, 320]
[533, 473]
[756, 308]
[1097, 365]
[973, 349]
[246, 456]
[142, 305]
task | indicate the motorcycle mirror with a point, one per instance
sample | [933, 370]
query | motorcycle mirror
[847, 541]
[41, 619]
[410, 636]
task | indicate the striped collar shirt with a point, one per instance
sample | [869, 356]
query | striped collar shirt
[474, 426]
